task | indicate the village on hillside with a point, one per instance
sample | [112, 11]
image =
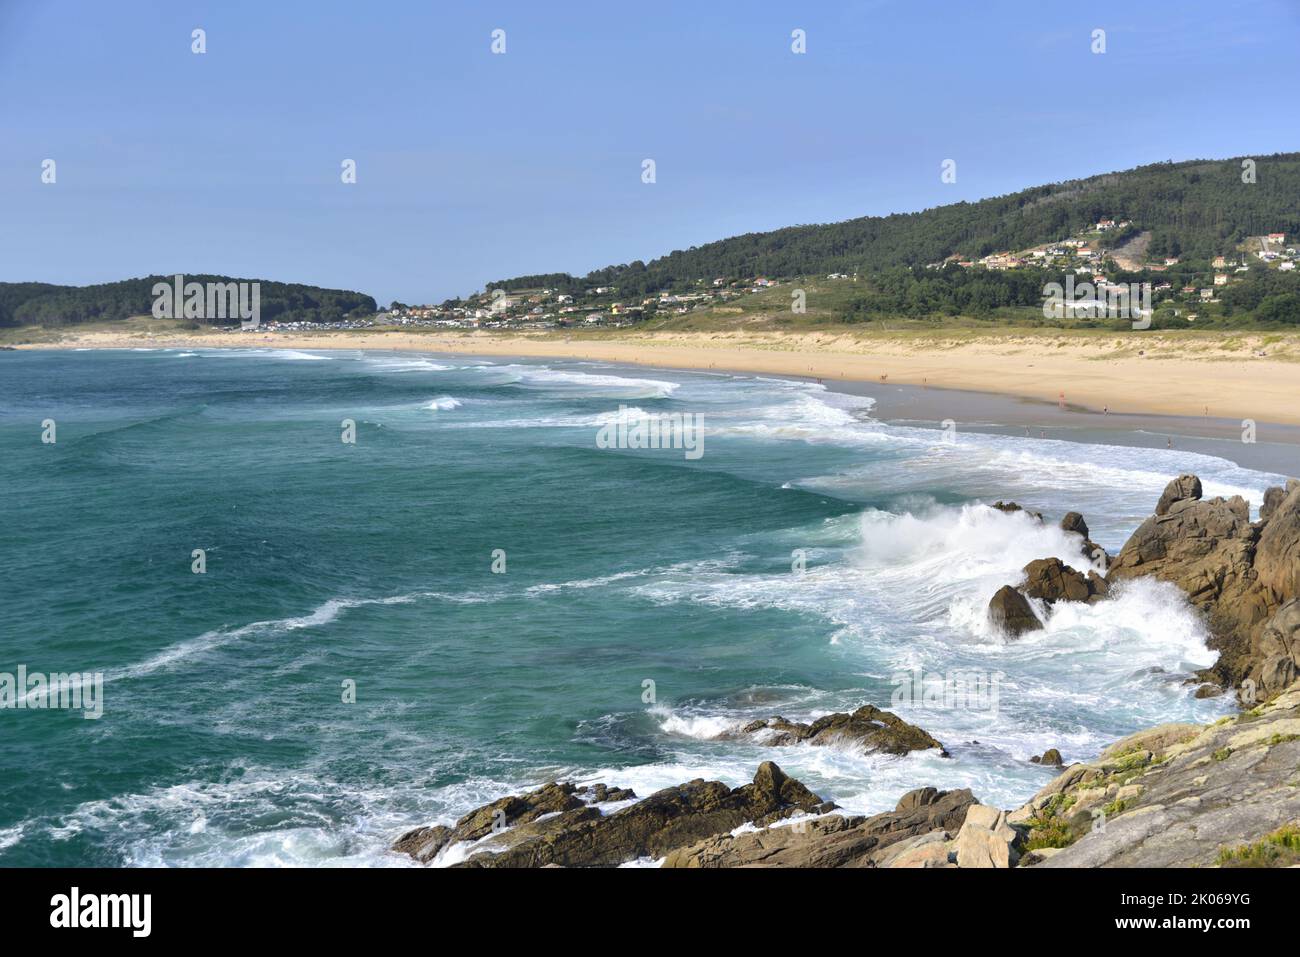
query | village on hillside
[550, 308]
[1088, 254]
[1095, 255]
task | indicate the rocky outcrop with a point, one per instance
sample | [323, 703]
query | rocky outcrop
[986, 839]
[1237, 572]
[868, 728]
[1185, 488]
[570, 834]
[424, 843]
[1050, 757]
[1051, 580]
[1073, 522]
[1277, 651]
[1173, 796]
[1277, 559]
[917, 833]
[1048, 580]
[1011, 507]
[1010, 612]
[1273, 497]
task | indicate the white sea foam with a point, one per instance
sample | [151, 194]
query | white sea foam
[700, 727]
[589, 384]
[914, 594]
[211, 823]
[323, 614]
[405, 364]
[283, 355]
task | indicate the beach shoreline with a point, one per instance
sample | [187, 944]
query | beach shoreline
[1173, 397]
[1223, 376]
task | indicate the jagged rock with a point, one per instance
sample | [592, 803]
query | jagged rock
[924, 816]
[1073, 522]
[1172, 796]
[1050, 757]
[1051, 580]
[986, 839]
[1272, 499]
[424, 843]
[1009, 507]
[1277, 558]
[929, 850]
[601, 793]
[869, 727]
[1011, 612]
[1183, 488]
[580, 835]
[1277, 652]
[1238, 573]
[1098, 587]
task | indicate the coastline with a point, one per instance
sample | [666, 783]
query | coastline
[1193, 398]
[942, 840]
[1221, 376]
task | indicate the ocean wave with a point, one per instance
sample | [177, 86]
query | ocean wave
[589, 384]
[284, 355]
[600, 581]
[221, 822]
[405, 364]
[699, 726]
[914, 592]
[323, 614]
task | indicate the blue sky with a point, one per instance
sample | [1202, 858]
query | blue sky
[473, 166]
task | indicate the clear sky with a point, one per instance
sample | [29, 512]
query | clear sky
[474, 166]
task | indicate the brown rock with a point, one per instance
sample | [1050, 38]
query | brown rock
[1051, 580]
[838, 841]
[1183, 488]
[1272, 499]
[869, 727]
[1050, 757]
[1238, 573]
[1009, 507]
[1277, 558]
[423, 843]
[1011, 612]
[1277, 653]
[666, 820]
[1073, 522]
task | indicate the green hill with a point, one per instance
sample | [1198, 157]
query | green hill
[34, 303]
[1195, 209]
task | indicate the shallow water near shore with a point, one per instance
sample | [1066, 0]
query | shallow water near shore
[225, 739]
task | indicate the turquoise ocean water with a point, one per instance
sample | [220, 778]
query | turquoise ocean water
[225, 739]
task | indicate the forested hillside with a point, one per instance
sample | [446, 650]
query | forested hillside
[48, 305]
[1195, 209]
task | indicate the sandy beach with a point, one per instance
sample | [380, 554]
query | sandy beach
[1222, 376]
